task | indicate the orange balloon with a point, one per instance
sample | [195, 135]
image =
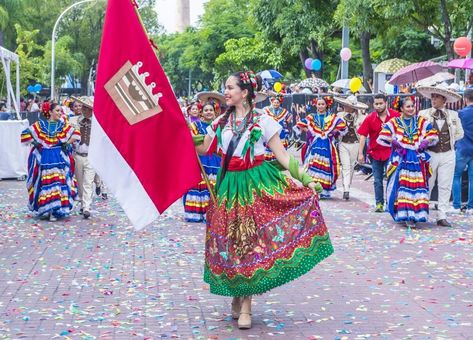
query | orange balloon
[462, 46]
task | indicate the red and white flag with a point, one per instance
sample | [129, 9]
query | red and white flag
[140, 144]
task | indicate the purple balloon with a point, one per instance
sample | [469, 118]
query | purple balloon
[308, 63]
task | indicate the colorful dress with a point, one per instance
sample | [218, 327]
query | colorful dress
[197, 199]
[408, 169]
[51, 184]
[264, 230]
[280, 116]
[321, 158]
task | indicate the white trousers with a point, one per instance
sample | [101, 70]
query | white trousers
[85, 175]
[348, 155]
[443, 167]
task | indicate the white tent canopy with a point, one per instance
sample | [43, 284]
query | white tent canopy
[13, 97]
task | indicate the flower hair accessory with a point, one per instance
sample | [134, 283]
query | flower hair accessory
[329, 101]
[214, 103]
[249, 77]
[399, 101]
[45, 107]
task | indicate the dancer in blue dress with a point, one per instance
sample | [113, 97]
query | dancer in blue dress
[408, 169]
[197, 199]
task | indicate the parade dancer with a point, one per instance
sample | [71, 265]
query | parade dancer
[408, 170]
[349, 143]
[51, 184]
[85, 173]
[323, 128]
[281, 116]
[442, 161]
[377, 153]
[263, 230]
[197, 199]
[194, 110]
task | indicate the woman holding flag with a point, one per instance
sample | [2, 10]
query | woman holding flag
[263, 230]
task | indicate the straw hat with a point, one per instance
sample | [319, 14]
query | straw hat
[85, 101]
[207, 95]
[260, 97]
[441, 90]
[351, 101]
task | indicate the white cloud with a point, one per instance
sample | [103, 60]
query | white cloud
[167, 12]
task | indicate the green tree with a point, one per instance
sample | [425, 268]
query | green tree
[364, 22]
[302, 28]
[67, 63]
[249, 53]
[31, 64]
[441, 19]
[10, 14]
[194, 52]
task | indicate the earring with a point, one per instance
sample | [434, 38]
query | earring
[245, 104]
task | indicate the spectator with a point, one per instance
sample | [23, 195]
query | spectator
[464, 155]
[378, 154]
[22, 104]
[34, 105]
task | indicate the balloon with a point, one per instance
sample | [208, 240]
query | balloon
[308, 63]
[316, 65]
[37, 88]
[355, 84]
[30, 88]
[277, 86]
[462, 46]
[345, 54]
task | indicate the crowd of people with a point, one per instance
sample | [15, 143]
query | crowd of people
[414, 151]
[263, 229]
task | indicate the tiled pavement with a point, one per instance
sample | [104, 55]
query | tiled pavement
[98, 279]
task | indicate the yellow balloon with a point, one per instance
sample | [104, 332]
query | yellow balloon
[277, 86]
[355, 84]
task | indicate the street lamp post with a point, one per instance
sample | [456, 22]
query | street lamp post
[53, 41]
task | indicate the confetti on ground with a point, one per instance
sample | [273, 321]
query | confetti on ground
[98, 279]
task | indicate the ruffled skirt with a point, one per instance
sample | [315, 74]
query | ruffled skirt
[264, 231]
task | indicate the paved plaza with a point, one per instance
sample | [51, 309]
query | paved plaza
[99, 279]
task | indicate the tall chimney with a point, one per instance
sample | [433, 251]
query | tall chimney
[183, 15]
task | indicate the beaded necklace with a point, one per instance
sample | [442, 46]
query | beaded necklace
[239, 130]
[411, 129]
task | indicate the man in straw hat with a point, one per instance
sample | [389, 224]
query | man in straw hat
[349, 144]
[84, 172]
[442, 161]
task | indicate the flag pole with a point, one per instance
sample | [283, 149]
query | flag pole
[202, 171]
[207, 181]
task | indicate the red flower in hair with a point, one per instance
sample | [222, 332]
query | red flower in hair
[328, 101]
[45, 107]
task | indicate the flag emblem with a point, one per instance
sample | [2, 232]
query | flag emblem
[133, 97]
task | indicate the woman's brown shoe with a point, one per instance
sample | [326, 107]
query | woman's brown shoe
[244, 321]
[236, 307]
